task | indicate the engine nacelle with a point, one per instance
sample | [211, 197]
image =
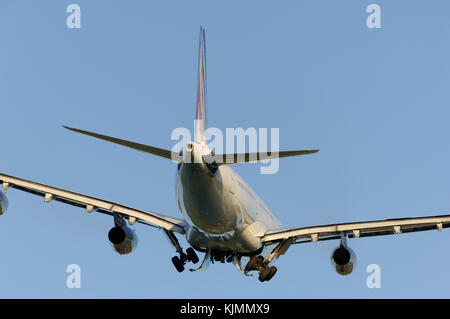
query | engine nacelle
[123, 239]
[343, 260]
[3, 203]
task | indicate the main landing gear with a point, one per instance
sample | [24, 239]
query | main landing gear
[183, 258]
[259, 264]
[180, 261]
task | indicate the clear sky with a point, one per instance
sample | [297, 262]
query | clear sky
[376, 102]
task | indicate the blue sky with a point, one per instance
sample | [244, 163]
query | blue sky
[375, 102]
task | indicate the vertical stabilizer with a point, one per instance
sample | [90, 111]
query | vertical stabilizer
[200, 116]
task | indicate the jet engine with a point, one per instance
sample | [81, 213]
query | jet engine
[123, 239]
[3, 203]
[343, 260]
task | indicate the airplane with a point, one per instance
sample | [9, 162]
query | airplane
[221, 216]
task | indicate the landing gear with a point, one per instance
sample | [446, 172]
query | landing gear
[219, 256]
[261, 264]
[267, 273]
[222, 256]
[215, 255]
[258, 263]
[191, 255]
[179, 265]
[255, 263]
[183, 258]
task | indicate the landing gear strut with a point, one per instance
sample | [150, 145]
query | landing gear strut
[180, 261]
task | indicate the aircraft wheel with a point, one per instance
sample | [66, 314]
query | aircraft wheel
[219, 256]
[192, 256]
[254, 262]
[273, 271]
[264, 274]
[178, 264]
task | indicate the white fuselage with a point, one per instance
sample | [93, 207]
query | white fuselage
[221, 210]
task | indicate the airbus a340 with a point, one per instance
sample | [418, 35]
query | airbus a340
[221, 216]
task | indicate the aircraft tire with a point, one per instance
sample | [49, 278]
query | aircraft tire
[192, 256]
[178, 264]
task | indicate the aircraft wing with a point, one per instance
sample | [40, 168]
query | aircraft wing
[91, 204]
[356, 230]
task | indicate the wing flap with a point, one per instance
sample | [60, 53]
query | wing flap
[91, 203]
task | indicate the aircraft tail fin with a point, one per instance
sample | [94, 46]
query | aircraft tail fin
[200, 115]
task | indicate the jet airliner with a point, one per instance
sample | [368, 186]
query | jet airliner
[220, 215]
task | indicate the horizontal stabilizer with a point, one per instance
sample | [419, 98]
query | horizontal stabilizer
[252, 157]
[137, 146]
